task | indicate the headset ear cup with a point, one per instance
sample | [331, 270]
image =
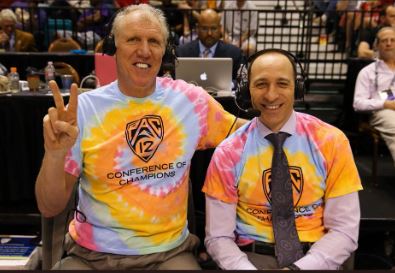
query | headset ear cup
[299, 88]
[243, 95]
[109, 47]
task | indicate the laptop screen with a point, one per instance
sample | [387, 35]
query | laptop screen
[213, 74]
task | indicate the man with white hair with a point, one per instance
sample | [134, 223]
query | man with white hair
[131, 143]
[12, 39]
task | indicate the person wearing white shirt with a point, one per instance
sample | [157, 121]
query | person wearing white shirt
[375, 88]
[240, 25]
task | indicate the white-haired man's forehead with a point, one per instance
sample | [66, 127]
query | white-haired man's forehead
[145, 16]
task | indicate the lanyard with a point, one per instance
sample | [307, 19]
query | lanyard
[376, 84]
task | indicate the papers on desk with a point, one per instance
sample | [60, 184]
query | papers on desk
[224, 93]
[17, 250]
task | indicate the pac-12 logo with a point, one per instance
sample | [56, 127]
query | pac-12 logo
[144, 136]
[296, 180]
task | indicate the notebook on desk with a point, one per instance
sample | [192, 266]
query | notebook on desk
[213, 74]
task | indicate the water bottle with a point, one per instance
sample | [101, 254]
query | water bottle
[49, 73]
[13, 79]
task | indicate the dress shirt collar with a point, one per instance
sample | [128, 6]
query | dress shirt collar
[382, 64]
[202, 48]
[289, 127]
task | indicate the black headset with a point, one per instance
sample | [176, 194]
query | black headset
[243, 96]
[109, 47]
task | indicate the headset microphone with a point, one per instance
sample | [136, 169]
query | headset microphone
[249, 111]
[253, 112]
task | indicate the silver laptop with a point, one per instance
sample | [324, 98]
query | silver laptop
[213, 74]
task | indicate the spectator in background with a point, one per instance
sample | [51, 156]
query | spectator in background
[349, 22]
[174, 19]
[62, 9]
[368, 35]
[6, 3]
[12, 39]
[80, 4]
[212, 4]
[125, 3]
[326, 9]
[190, 9]
[327, 15]
[95, 18]
[375, 88]
[91, 23]
[240, 26]
[32, 19]
[208, 43]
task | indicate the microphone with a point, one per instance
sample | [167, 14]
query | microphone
[253, 112]
[250, 111]
[168, 69]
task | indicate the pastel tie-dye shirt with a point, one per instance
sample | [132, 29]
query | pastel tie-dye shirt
[321, 167]
[133, 155]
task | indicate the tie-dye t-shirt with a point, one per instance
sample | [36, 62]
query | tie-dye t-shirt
[133, 155]
[321, 167]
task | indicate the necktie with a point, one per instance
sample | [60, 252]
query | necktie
[287, 245]
[206, 53]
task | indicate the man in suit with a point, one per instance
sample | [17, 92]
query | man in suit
[12, 39]
[208, 43]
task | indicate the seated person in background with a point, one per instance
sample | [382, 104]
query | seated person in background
[80, 4]
[326, 10]
[212, 4]
[246, 190]
[125, 3]
[349, 22]
[32, 18]
[240, 27]
[95, 18]
[131, 143]
[174, 19]
[12, 39]
[190, 10]
[208, 43]
[368, 35]
[375, 88]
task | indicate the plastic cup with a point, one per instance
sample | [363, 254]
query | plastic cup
[67, 80]
[33, 81]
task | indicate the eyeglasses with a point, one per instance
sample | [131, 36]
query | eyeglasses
[207, 29]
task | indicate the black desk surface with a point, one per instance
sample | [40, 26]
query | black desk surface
[83, 63]
[21, 144]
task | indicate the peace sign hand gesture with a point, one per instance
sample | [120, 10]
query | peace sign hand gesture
[60, 124]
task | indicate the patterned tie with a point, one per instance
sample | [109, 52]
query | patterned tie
[287, 245]
[206, 53]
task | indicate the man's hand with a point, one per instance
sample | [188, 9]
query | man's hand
[389, 104]
[60, 124]
[3, 37]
